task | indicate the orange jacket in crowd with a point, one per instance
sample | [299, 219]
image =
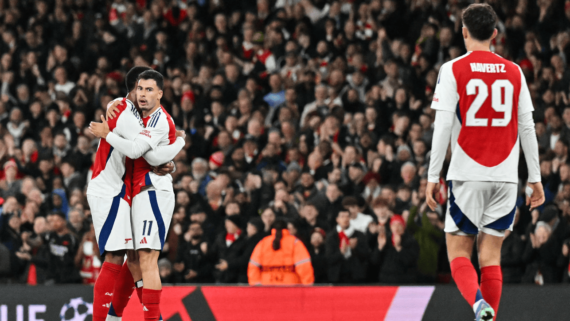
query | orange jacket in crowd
[291, 264]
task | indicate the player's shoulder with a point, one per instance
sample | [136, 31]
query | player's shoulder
[159, 119]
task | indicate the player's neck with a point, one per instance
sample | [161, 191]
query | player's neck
[148, 113]
[478, 46]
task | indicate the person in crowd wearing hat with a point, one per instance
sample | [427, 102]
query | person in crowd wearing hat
[346, 251]
[227, 249]
[397, 253]
[280, 259]
[193, 264]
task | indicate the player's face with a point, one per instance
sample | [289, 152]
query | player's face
[148, 94]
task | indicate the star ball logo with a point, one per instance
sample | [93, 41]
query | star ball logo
[76, 310]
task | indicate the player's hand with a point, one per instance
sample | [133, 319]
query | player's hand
[537, 197]
[181, 133]
[163, 169]
[381, 241]
[113, 108]
[430, 188]
[191, 274]
[100, 130]
[353, 242]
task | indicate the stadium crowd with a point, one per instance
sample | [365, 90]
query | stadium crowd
[315, 112]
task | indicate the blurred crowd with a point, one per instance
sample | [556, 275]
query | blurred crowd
[314, 112]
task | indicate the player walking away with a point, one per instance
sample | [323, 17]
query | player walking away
[483, 105]
[109, 196]
[153, 196]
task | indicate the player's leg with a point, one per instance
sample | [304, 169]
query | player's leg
[135, 268]
[459, 249]
[151, 220]
[152, 287]
[489, 248]
[124, 286]
[108, 233]
[467, 202]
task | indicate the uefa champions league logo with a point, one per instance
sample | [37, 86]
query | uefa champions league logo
[76, 310]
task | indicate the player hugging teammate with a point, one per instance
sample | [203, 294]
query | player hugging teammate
[483, 106]
[131, 204]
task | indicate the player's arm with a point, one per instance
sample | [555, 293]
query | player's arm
[529, 145]
[444, 102]
[164, 154]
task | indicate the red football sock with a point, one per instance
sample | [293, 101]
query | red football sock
[465, 277]
[124, 286]
[103, 290]
[151, 303]
[492, 285]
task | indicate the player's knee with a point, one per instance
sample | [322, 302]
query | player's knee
[115, 257]
[148, 260]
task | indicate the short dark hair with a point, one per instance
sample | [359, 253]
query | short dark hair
[480, 20]
[155, 75]
[133, 76]
[348, 201]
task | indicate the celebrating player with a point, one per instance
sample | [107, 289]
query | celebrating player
[153, 196]
[109, 197]
[483, 105]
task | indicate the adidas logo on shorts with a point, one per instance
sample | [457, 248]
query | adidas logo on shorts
[143, 241]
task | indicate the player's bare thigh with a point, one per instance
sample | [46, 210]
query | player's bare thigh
[459, 246]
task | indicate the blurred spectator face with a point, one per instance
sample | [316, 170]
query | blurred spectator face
[254, 128]
[35, 195]
[419, 148]
[397, 228]
[199, 170]
[16, 116]
[349, 154]
[320, 93]
[315, 160]
[545, 167]
[268, 217]
[232, 209]
[40, 225]
[382, 213]
[213, 190]
[231, 228]
[251, 230]
[60, 141]
[224, 140]
[307, 180]
[310, 213]
[332, 192]
[542, 234]
[10, 171]
[343, 219]
[10, 205]
[15, 222]
[60, 75]
[355, 173]
[317, 239]
[28, 184]
[182, 198]
[179, 214]
[371, 115]
[415, 132]
[564, 172]
[275, 82]
[560, 149]
[408, 172]
[334, 176]
[56, 223]
[238, 156]
[67, 170]
[23, 93]
[76, 218]
[198, 217]
[195, 231]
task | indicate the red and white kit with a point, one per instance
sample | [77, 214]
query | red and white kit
[484, 107]
[153, 196]
[109, 192]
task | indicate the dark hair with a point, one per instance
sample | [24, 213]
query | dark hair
[133, 75]
[154, 75]
[480, 20]
[349, 201]
[279, 225]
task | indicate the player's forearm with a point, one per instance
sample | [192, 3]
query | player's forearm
[164, 154]
[440, 141]
[132, 149]
[529, 145]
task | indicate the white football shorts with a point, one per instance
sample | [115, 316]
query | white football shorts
[112, 222]
[152, 213]
[488, 207]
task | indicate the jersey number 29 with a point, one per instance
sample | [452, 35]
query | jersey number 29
[497, 103]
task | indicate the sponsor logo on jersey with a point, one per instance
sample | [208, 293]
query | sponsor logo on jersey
[435, 99]
[127, 240]
[146, 133]
[488, 68]
[108, 294]
[143, 241]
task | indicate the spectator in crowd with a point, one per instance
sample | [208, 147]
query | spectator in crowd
[62, 246]
[397, 253]
[280, 259]
[192, 264]
[227, 249]
[358, 220]
[346, 251]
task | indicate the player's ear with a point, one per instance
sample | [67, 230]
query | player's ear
[495, 33]
[160, 92]
[465, 32]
